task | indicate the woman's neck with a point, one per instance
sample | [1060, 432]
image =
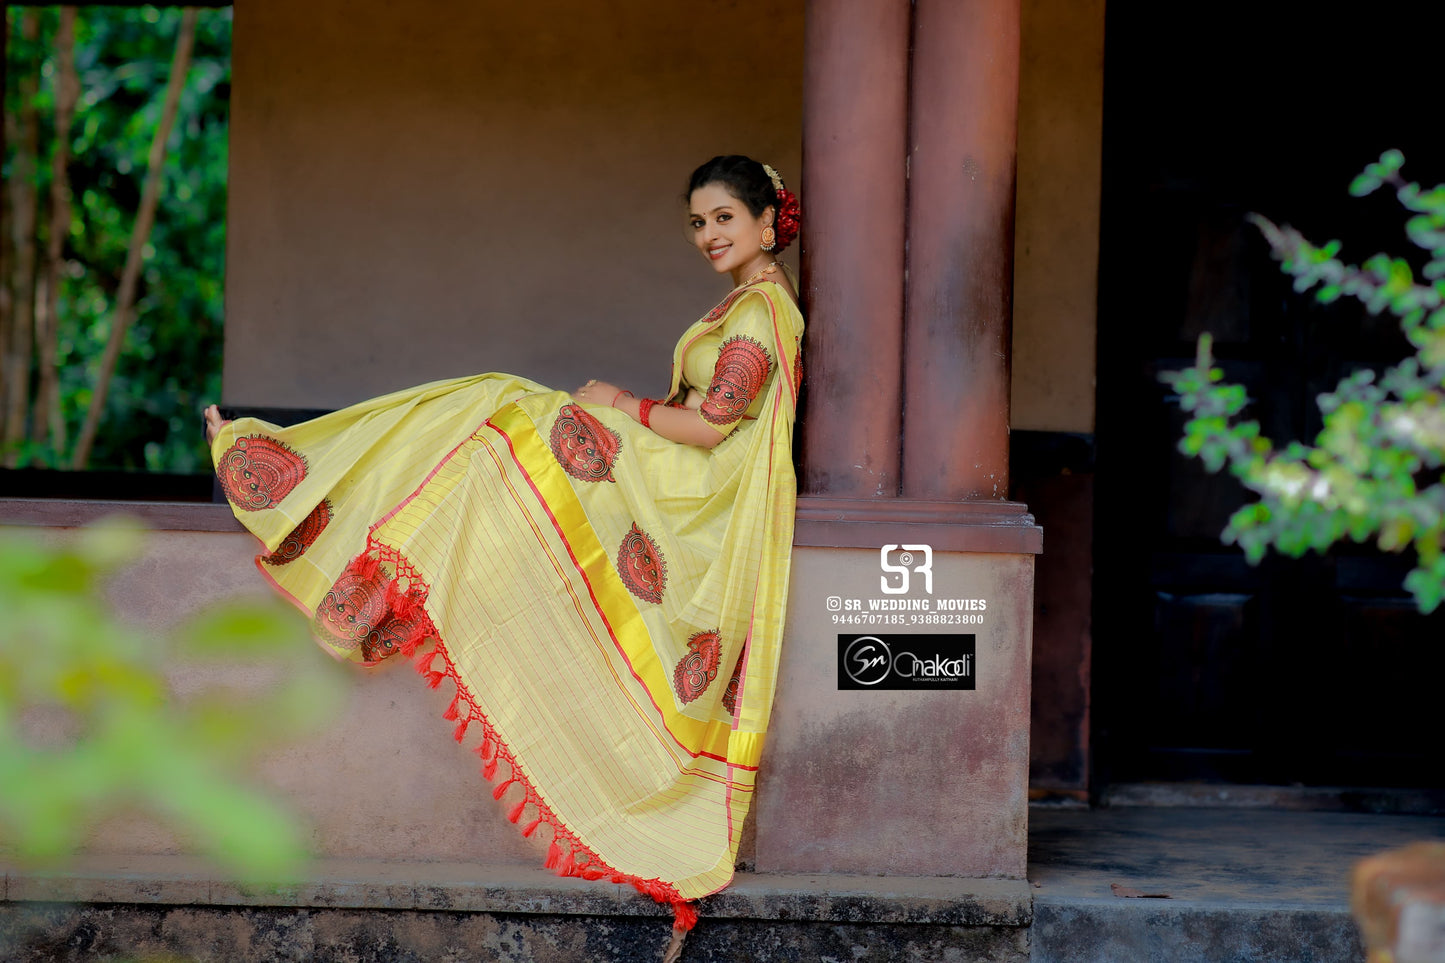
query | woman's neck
[742, 275]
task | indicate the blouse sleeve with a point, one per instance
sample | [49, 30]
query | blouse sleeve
[745, 363]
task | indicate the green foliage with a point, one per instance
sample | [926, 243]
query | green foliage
[1374, 471]
[171, 363]
[91, 722]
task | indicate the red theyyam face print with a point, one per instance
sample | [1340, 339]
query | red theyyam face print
[742, 367]
[641, 566]
[585, 447]
[698, 667]
[257, 472]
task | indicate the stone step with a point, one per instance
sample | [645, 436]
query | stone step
[1083, 930]
[365, 910]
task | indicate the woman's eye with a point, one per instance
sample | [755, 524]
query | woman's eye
[696, 223]
[724, 217]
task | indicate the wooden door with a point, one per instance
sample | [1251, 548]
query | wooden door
[1314, 671]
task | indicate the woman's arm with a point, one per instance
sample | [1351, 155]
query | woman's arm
[674, 424]
[684, 425]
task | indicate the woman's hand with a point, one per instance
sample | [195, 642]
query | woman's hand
[597, 392]
[674, 424]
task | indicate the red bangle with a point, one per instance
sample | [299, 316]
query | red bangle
[644, 411]
[619, 394]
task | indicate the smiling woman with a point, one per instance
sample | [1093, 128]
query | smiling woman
[601, 577]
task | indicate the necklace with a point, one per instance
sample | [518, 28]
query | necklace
[770, 268]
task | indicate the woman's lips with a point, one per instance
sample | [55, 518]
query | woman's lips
[717, 252]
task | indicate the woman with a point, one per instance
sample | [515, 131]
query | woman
[601, 576]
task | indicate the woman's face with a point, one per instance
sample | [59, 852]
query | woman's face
[724, 230]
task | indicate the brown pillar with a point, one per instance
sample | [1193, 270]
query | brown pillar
[855, 110]
[964, 123]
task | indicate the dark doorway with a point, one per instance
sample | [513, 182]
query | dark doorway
[1315, 671]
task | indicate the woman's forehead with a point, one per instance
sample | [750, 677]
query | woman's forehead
[710, 197]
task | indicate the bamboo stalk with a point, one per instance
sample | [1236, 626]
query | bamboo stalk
[145, 217]
[22, 200]
[48, 420]
[7, 255]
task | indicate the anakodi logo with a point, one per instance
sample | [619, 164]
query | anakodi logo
[906, 662]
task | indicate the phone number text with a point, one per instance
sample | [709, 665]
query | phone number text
[908, 618]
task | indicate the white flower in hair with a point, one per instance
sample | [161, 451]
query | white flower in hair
[775, 177]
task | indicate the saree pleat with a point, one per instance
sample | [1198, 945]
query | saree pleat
[608, 604]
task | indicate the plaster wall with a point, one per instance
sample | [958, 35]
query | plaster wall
[411, 203]
[908, 782]
[1056, 230]
[382, 778]
[441, 187]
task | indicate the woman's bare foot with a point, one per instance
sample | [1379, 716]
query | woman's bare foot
[673, 953]
[213, 423]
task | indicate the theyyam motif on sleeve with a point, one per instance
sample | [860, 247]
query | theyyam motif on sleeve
[742, 367]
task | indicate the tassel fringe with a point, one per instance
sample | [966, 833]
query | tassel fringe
[566, 855]
[684, 915]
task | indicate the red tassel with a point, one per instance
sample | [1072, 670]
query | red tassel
[654, 888]
[487, 745]
[684, 915]
[490, 769]
[460, 732]
[532, 827]
[411, 642]
[501, 789]
[404, 604]
[434, 679]
[451, 712]
[365, 566]
[516, 812]
[554, 855]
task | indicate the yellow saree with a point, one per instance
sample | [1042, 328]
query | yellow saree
[607, 603]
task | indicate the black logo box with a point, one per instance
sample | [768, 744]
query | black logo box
[876, 660]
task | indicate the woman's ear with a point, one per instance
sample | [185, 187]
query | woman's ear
[769, 216]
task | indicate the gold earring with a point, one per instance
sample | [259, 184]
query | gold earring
[770, 239]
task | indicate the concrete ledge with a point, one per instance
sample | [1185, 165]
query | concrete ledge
[468, 887]
[158, 516]
[1076, 930]
[252, 934]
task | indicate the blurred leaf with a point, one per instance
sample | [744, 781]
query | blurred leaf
[249, 627]
[90, 724]
[1362, 479]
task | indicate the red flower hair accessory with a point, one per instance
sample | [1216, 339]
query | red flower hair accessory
[790, 216]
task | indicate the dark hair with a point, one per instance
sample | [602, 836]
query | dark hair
[743, 177]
